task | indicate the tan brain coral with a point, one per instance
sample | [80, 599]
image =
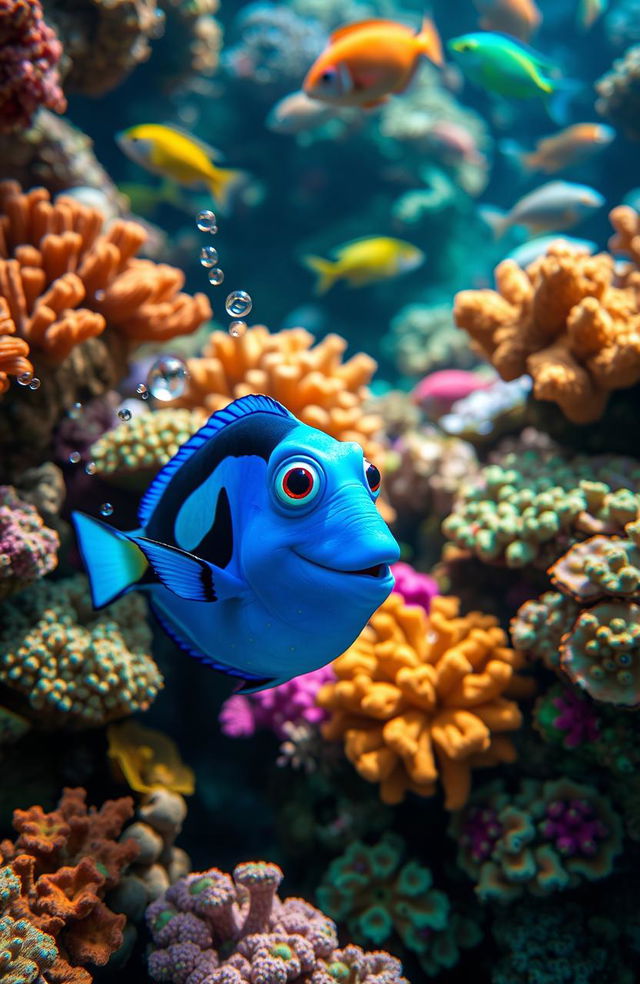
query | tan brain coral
[420, 698]
[569, 320]
[310, 380]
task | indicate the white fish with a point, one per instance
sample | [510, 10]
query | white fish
[298, 113]
[553, 207]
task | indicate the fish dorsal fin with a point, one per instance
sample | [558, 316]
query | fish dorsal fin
[343, 32]
[244, 407]
[213, 153]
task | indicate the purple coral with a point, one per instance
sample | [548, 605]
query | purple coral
[573, 827]
[28, 548]
[291, 702]
[576, 718]
[28, 74]
[415, 588]
[480, 832]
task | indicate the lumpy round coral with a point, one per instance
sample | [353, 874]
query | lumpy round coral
[28, 548]
[28, 68]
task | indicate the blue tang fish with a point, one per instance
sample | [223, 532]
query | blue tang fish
[260, 547]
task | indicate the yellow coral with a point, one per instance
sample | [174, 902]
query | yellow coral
[310, 380]
[148, 759]
[422, 697]
[568, 320]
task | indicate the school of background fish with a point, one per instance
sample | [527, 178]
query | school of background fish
[418, 231]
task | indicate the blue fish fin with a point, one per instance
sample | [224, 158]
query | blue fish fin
[186, 647]
[558, 103]
[112, 560]
[243, 407]
[252, 686]
[186, 575]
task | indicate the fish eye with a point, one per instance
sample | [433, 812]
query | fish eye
[328, 75]
[373, 478]
[297, 483]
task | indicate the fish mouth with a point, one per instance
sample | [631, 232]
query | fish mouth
[377, 571]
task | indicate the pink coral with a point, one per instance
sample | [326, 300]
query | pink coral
[28, 74]
[415, 588]
[28, 548]
[438, 391]
[291, 702]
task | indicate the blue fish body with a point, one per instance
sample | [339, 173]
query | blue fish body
[260, 547]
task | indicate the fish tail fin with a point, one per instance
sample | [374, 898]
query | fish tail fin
[428, 41]
[325, 271]
[497, 220]
[558, 101]
[114, 564]
[224, 181]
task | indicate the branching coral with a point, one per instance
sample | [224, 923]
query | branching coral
[28, 548]
[231, 932]
[534, 504]
[546, 838]
[377, 896]
[568, 320]
[64, 862]
[420, 698]
[75, 667]
[28, 69]
[310, 380]
[290, 703]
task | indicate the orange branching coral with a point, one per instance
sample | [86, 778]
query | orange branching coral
[64, 279]
[568, 320]
[423, 697]
[626, 221]
[310, 380]
[13, 350]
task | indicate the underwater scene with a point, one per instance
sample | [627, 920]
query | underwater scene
[319, 492]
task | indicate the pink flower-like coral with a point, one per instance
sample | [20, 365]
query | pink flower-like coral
[415, 588]
[28, 548]
[290, 702]
[28, 74]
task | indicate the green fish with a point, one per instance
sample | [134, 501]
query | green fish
[501, 64]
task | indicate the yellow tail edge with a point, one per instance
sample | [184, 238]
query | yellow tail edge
[429, 42]
[325, 271]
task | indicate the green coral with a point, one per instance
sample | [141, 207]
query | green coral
[600, 566]
[538, 627]
[602, 652]
[378, 896]
[77, 667]
[25, 952]
[534, 504]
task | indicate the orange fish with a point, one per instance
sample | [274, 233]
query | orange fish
[365, 63]
[519, 18]
[573, 145]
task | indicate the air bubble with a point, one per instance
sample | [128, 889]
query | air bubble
[238, 304]
[206, 221]
[34, 384]
[142, 391]
[74, 457]
[106, 509]
[237, 328]
[74, 411]
[90, 468]
[216, 276]
[167, 379]
[124, 413]
[208, 257]
[25, 378]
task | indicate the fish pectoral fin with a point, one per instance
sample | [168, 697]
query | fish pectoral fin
[186, 575]
[250, 686]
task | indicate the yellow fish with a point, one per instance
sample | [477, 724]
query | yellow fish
[167, 151]
[365, 261]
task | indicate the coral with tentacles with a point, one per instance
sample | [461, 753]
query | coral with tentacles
[421, 698]
[569, 320]
[28, 69]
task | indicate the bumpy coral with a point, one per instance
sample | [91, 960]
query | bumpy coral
[148, 759]
[133, 452]
[533, 505]
[539, 626]
[63, 863]
[25, 952]
[211, 928]
[289, 703]
[567, 320]
[564, 717]
[602, 652]
[310, 380]
[73, 666]
[618, 93]
[424, 339]
[28, 70]
[28, 548]
[546, 838]
[376, 896]
[422, 697]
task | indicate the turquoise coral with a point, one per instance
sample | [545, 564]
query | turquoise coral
[75, 667]
[378, 896]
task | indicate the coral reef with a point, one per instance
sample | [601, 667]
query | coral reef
[416, 588]
[148, 759]
[310, 380]
[531, 505]
[210, 927]
[25, 952]
[618, 93]
[486, 414]
[378, 896]
[64, 862]
[423, 338]
[421, 698]
[72, 666]
[28, 548]
[191, 42]
[28, 72]
[543, 839]
[289, 703]
[80, 300]
[568, 320]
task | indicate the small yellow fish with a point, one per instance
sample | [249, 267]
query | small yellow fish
[167, 151]
[365, 261]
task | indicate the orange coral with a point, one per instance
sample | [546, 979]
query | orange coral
[64, 280]
[420, 697]
[310, 380]
[13, 350]
[626, 222]
[568, 320]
